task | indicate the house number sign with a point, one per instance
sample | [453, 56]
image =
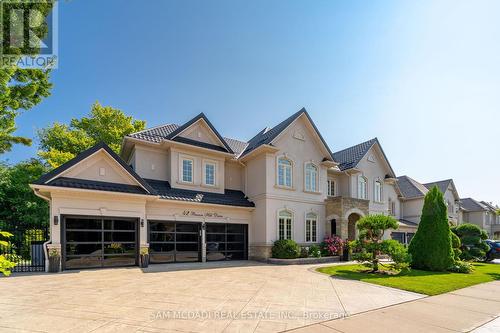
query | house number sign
[206, 214]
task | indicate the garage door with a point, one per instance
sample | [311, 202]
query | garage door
[174, 242]
[226, 241]
[91, 242]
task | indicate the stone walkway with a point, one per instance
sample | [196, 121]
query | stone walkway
[474, 308]
[212, 297]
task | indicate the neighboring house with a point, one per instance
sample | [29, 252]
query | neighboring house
[482, 214]
[412, 202]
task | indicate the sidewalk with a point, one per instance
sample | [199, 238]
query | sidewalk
[459, 311]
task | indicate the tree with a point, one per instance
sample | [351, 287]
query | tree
[5, 264]
[431, 247]
[19, 206]
[21, 88]
[472, 238]
[60, 142]
[370, 244]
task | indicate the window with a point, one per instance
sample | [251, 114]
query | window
[450, 208]
[187, 170]
[362, 193]
[311, 227]
[210, 173]
[378, 191]
[285, 225]
[330, 188]
[284, 172]
[392, 207]
[399, 236]
[311, 178]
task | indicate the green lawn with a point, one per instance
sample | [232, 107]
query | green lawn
[424, 282]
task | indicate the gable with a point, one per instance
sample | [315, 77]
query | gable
[301, 139]
[302, 130]
[200, 131]
[100, 167]
[374, 162]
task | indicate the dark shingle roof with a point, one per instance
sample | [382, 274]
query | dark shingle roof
[266, 136]
[96, 185]
[230, 197]
[407, 223]
[87, 153]
[410, 188]
[350, 157]
[442, 185]
[155, 134]
[170, 132]
[472, 205]
[236, 145]
[489, 206]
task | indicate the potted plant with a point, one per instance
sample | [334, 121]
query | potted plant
[144, 257]
[54, 260]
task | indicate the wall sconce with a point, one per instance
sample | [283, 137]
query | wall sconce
[56, 220]
[142, 223]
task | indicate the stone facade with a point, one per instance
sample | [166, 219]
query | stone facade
[340, 208]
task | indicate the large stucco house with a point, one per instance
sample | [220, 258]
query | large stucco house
[481, 213]
[186, 193]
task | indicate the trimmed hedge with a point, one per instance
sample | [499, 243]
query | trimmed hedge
[285, 249]
[431, 247]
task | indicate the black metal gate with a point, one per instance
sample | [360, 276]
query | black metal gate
[26, 247]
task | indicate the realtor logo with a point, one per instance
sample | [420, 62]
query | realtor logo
[29, 33]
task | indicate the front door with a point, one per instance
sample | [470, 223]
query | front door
[95, 242]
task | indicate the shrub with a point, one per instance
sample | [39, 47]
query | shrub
[431, 247]
[285, 249]
[370, 244]
[398, 253]
[461, 267]
[315, 251]
[472, 239]
[6, 262]
[331, 245]
[304, 252]
[456, 244]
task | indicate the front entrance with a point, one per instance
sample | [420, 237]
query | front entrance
[174, 242]
[351, 226]
[95, 242]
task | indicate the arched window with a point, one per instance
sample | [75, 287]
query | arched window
[285, 224]
[362, 192]
[377, 195]
[311, 227]
[284, 172]
[311, 177]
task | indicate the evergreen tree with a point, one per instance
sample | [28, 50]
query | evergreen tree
[431, 247]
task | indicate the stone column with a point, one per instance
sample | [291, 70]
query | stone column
[342, 228]
[203, 242]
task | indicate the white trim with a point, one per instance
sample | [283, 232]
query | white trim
[335, 191]
[305, 227]
[292, 222]
[204, 163]
[317, 190]
[182, 158]
[292, 166]
[365, 197]
[381, 199]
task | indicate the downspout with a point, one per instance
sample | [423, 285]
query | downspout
[36, 191]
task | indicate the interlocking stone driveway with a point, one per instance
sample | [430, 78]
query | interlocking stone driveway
[229, 297]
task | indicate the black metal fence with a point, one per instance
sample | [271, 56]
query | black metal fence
[26, 248]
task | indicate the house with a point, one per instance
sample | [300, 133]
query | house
[412, 202]
[482, 214]
[186, 193]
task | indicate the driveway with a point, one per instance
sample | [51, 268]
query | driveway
[211, 297]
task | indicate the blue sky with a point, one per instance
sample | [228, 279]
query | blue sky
[423, 77]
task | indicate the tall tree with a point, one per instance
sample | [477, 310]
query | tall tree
[19, 206]
[60, 142]
[431, 247]
[21, 88]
